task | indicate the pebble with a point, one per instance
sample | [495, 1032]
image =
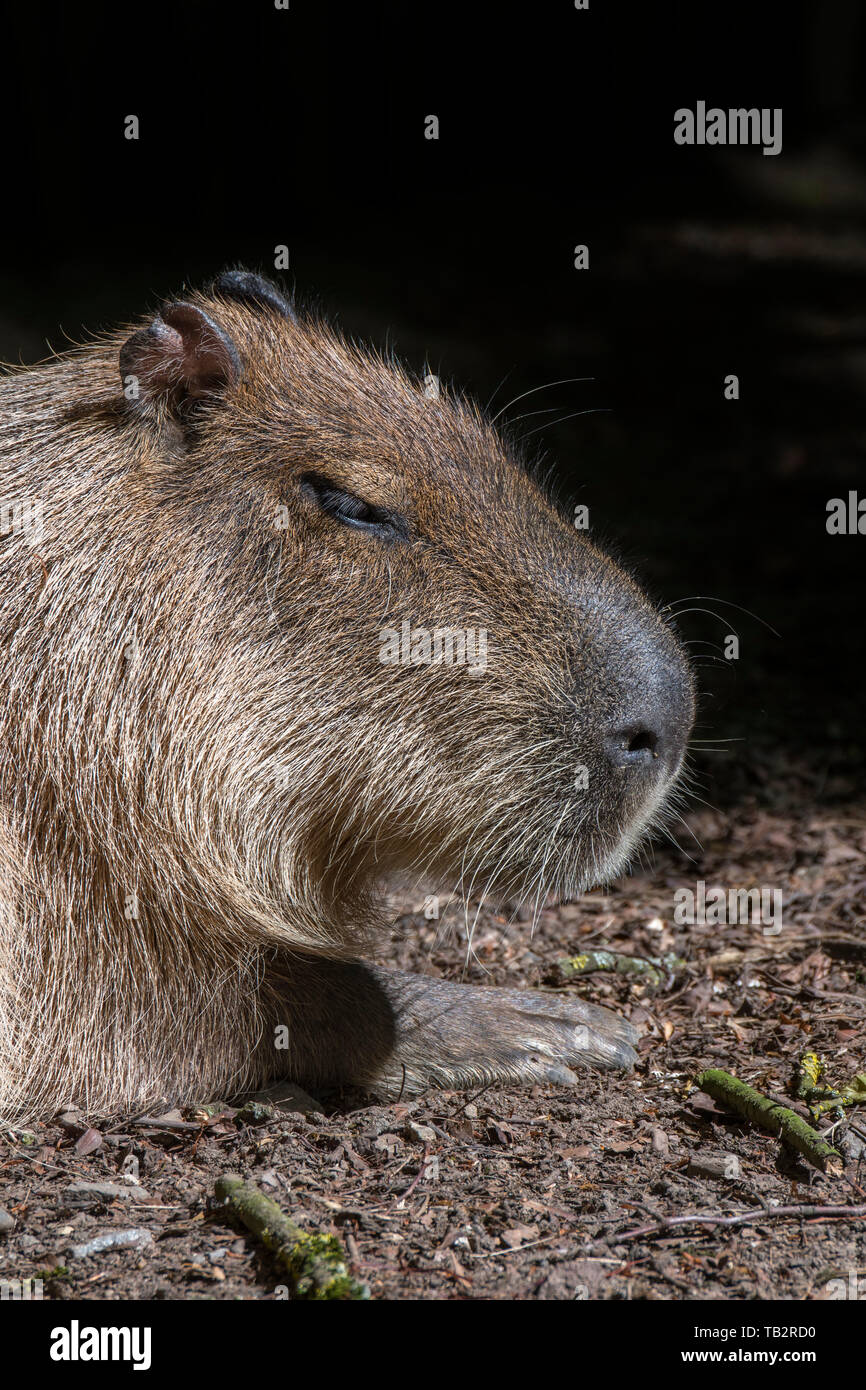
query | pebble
[422, 1134]
[660, 1142]
[722, 1165]
[112, 1240]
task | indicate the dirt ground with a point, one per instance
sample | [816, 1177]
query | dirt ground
[512, 1194]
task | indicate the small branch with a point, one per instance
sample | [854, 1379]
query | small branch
[175, 1126]
[813, 1087]
[742, 1218]
[777, 1119]
[316, 1264]
[654, 970]
[669, 1223]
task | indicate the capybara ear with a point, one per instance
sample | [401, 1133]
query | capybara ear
[180, 358]
[252, 289]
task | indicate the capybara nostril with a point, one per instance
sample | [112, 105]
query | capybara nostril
[635, 745]
[651, 744]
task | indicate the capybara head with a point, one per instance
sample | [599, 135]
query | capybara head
[300, 620]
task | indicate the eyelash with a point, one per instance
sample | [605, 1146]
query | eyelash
[352, 511]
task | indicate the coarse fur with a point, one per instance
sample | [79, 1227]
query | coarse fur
[206, 769]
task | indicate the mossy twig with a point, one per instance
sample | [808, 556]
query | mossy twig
[813, 1087]
[652, 970]
[766, 1113]
[315, 1264]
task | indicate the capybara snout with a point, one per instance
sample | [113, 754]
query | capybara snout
[291, 620]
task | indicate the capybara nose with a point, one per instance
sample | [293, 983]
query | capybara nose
[632, 746]
[655, 744]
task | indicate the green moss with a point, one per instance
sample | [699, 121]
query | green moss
[316, 1264]
[304, 1261]
[254, 1113]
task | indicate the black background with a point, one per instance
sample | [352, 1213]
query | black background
[306, 127]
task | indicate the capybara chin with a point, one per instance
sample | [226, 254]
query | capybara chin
[279, 621]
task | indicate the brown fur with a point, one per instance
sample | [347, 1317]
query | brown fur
[193, 711]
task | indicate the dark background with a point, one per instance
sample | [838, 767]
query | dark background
[261, 127]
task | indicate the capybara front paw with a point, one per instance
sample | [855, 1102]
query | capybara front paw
[552, 1033]
[459, 1036]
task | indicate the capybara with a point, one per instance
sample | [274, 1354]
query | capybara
[280, 621]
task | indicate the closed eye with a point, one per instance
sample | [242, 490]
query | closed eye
[353, 511]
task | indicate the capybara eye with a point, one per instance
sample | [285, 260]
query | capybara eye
[352, 511]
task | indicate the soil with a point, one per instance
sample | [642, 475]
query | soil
[524, 1194]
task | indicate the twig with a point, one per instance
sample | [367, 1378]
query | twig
[778, 1119]
[418, 1176]
[182, 1126]
[668, 1223]
[316, 1264]
[653, 969]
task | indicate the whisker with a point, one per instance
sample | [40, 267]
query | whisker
[669, 608]
[546, 387]
[681, 612]
[596, 410]
[497, 389]
[527, 414]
